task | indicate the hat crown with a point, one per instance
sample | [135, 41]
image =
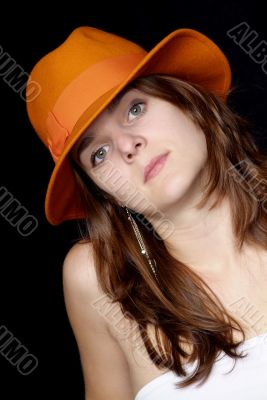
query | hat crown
[85, 47]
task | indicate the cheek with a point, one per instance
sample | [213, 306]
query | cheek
[190, 151]
[182, 177]
[189, 138]
[192, 155]
[111, 179]
[187, 141]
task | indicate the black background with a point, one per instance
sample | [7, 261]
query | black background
[32, 305]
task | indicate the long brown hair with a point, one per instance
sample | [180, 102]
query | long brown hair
[182, 306]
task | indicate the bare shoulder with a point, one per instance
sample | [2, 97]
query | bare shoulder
[105, 369]
[78, 270]
[80, 284]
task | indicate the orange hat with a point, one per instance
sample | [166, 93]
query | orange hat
[80, 78]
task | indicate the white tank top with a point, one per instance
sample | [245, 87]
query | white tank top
[247, 381]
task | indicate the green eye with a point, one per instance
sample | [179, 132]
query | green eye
[136, 109]
[99, 153]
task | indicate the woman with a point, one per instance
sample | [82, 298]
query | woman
[169, 190]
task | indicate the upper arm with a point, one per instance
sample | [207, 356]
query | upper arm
[105, 369]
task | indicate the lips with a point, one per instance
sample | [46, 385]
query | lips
[154, 166]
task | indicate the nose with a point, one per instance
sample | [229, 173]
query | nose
[129, 145]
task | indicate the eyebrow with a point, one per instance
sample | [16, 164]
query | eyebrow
[84, 143]
[88, 139]
[116, 101]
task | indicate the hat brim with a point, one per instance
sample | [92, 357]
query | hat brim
[185, 53]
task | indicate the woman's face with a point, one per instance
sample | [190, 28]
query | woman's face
[119, 144]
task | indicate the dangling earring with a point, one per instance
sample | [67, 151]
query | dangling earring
[141, 243]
